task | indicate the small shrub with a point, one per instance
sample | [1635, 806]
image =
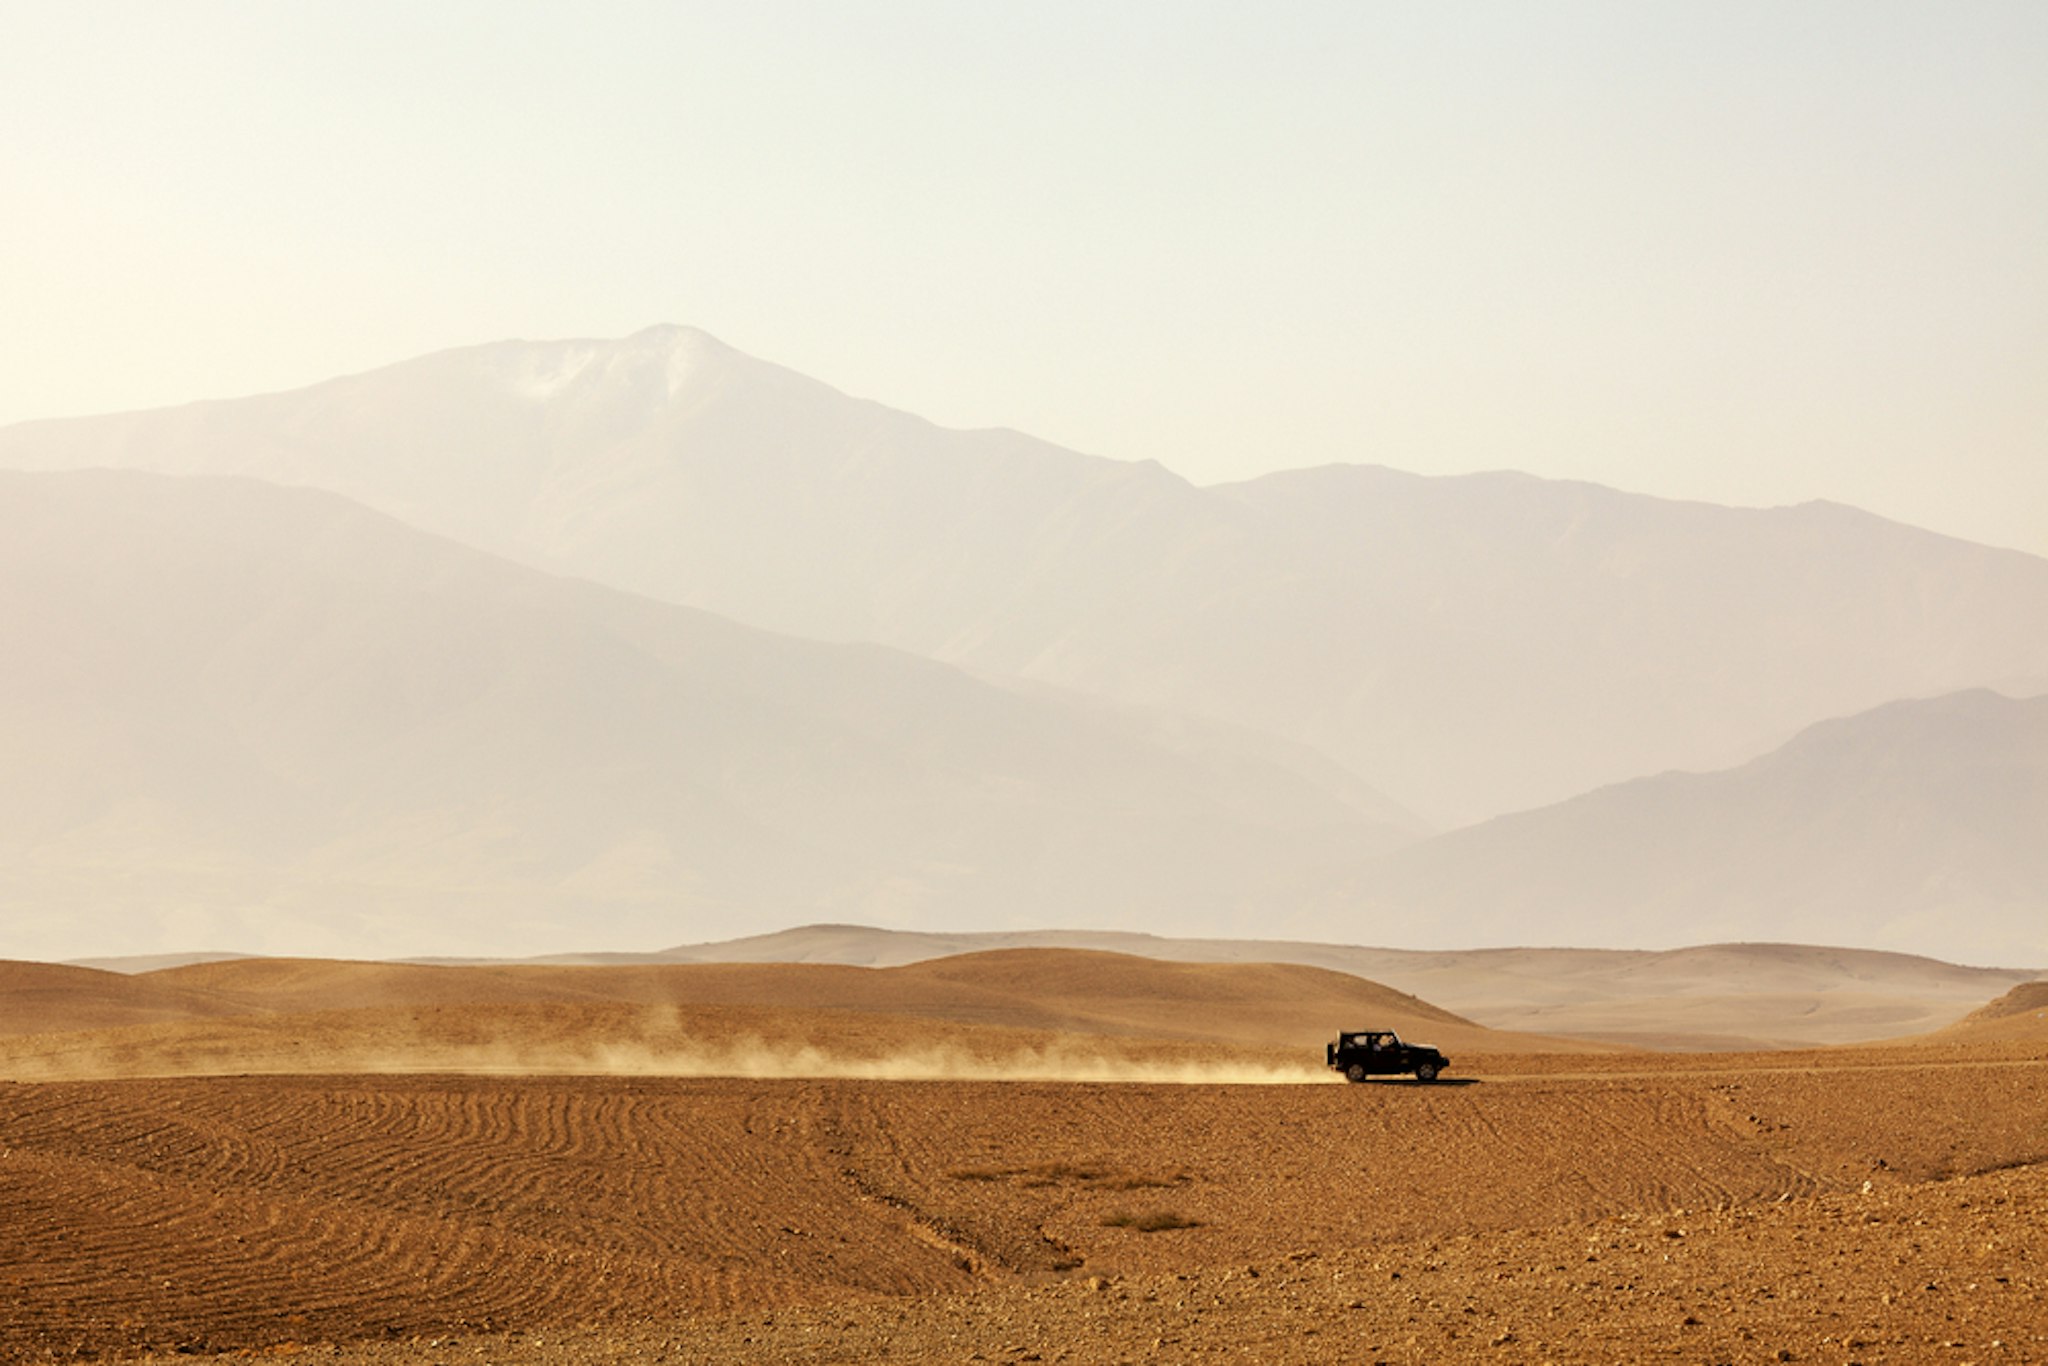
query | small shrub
[1152, 1221]
[1092, 1176]
[1137, 1181]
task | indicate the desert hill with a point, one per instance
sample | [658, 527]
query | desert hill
[237, 713]
[1081, 991]
[1716, 996]
[2029, 998]
[1470, 645]
[2019, 1015]
[1919, 823]
[1047, 1011]
[1273, 1004]
[38, 998]
[1719, 996]
[150, 962]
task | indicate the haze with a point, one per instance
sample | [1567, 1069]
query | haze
[620, 643]
[1732, 252]
[513, 480]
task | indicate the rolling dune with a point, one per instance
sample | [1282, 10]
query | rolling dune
[1051, 1013]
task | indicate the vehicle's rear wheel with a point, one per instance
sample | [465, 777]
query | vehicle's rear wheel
[1355, 1072]
[1426, 1072]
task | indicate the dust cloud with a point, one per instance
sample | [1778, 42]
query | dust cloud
[744, 1058]
[759, 1060]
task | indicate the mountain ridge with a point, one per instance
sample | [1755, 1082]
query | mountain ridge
[1469, 644]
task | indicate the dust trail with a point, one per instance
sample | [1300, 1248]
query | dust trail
[650, 1040]
[745, 1058]
[763, 1061]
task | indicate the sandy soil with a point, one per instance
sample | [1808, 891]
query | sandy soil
[1933, 1273]
[253, 1213]
[1866, 1204]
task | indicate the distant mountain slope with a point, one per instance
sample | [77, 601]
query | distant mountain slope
[1917, 825]
[1471, 645]
[235, 713]
[1557, 636]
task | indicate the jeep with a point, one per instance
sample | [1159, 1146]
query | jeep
[1363, 1053]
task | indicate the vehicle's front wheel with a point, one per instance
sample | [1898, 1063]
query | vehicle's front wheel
[1355, 1072]
[1426, 1072]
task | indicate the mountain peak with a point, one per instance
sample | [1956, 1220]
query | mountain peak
[658, 362]
[672, 335]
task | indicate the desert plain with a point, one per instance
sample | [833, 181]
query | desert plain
[1019, 1155]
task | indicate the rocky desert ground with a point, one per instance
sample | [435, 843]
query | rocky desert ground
[1035, 1155]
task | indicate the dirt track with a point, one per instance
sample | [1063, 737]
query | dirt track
[247, 1213]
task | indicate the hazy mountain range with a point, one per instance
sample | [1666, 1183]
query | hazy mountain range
[260, 716]
[246, 710]
[1469, 646]
[1921, 823]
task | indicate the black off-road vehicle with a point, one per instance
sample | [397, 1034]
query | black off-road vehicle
[1363, 1053]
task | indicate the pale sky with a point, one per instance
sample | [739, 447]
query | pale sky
[1748, 252]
